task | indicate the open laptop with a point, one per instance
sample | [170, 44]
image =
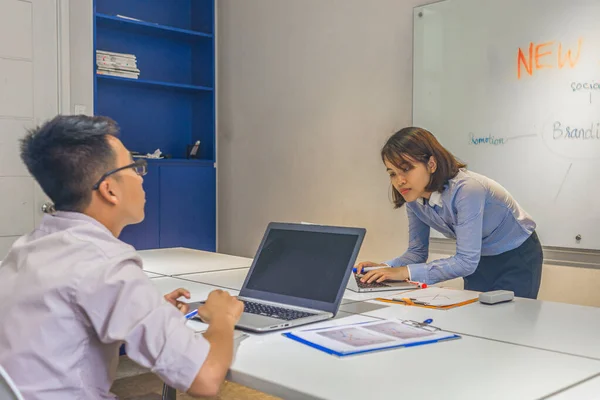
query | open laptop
[298, 276]
[356, 285]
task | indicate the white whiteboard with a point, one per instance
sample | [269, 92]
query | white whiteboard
[468, 93]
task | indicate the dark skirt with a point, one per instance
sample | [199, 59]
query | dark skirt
[518, 270]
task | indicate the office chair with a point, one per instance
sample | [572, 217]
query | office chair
[8, 389]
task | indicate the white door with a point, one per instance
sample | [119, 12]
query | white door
[28, 96]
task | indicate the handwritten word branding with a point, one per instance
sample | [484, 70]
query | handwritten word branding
[561, 132]
[486, 140]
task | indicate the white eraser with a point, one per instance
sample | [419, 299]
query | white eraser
[496, 296]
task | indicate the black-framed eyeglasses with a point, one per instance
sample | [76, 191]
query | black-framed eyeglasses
[140, 167]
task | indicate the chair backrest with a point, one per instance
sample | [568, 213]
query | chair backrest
[8, 389]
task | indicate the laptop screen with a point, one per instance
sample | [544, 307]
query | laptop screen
[307, 265]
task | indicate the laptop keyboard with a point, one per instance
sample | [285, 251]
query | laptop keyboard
[274, 312]
[365, 285]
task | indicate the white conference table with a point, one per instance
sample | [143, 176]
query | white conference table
[468, 368]
[587, 390]
[192, 264]
[489, 366]
[234, 279]
[198, 291]
[180, 261]
[227, 279]
[547, 325]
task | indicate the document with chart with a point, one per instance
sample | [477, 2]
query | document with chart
[369, 336]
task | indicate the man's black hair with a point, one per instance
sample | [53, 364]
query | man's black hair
[66, 156]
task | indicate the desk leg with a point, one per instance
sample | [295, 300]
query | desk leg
[168, 393]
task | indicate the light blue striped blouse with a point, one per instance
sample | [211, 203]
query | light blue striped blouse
[476, 211]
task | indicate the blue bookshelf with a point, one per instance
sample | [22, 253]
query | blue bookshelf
[166, 85]
[126, 24]
[169, 107]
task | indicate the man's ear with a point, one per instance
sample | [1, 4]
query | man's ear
[432, 164]
[108, 192]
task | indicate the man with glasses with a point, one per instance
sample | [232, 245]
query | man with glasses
[71, 292]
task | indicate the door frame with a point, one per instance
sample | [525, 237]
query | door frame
[64, 56]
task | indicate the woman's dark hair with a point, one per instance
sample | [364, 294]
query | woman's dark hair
[419, 144]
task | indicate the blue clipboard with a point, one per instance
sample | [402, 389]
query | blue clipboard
[327, 350]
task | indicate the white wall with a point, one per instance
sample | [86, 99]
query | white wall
[308, 92]
[81, 55]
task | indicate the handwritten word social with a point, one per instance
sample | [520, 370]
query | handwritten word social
[583, 86]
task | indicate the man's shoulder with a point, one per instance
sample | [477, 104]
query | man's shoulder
[99, 242]
[78, 243]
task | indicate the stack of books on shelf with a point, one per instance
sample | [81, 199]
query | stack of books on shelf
[117, 64]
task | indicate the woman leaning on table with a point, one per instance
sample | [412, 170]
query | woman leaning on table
[496, 244]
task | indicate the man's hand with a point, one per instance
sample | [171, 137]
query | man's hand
[220, 305]
[174, 295]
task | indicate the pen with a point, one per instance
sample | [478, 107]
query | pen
[367, 269]
[191, 314]
[419, 284]
[409, 301]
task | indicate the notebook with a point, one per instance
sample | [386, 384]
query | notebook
[365, 337]
[434, 297]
